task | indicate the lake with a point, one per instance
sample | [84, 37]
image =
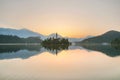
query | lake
[74, 63]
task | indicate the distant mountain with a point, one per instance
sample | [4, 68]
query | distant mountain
[54, 35]
[104, 38]
[75, 39]
[79, 39]
[23, 33]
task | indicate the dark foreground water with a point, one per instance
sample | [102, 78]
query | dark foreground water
[76, 63]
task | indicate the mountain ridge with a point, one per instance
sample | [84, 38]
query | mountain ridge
[106, 37]
[25, 33]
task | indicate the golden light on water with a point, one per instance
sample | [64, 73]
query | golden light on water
[71, 64]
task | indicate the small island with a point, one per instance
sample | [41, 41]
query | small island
[55, 43]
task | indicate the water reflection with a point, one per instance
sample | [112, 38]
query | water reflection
[106, 49]
[56, 48]
[19, 51]
[27, 51]
[15, 48]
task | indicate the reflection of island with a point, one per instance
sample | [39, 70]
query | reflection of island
[56, 48]
[106, 49]
[27, 51]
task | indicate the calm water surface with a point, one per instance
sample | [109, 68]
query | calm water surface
[76, 63]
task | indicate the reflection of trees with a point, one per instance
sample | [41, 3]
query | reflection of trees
[15, 48]
[19, 51]
[108, 49]
[56, 47]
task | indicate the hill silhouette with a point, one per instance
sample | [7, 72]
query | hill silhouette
[104, 38]
[16, 39]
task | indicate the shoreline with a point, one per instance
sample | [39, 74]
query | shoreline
[20, 44]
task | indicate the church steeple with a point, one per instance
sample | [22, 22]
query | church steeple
[56, 35]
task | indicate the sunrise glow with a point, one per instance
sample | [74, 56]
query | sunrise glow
[75, 18]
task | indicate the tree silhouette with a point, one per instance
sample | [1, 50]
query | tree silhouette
[16, 39]
[116, 43]
[56, 44]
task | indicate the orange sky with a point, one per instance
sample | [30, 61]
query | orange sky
[72, 18]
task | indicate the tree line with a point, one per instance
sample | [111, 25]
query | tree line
[116, 43]
[16, 39]
[55, 41]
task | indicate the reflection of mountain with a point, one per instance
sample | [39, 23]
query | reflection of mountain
[19, 51]
[25, 51]
[23, 54]
[108, 50]
[15, 48]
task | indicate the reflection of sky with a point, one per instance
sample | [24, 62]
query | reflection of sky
[24, 53]
[74, 18]
[71, 64]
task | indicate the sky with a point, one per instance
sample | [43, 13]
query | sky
[71, 18]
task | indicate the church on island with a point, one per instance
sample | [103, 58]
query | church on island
[56, 41]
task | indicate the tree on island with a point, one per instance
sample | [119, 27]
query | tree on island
[56, 43]
[116, 43]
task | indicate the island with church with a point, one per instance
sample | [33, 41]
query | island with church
[56, 43]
